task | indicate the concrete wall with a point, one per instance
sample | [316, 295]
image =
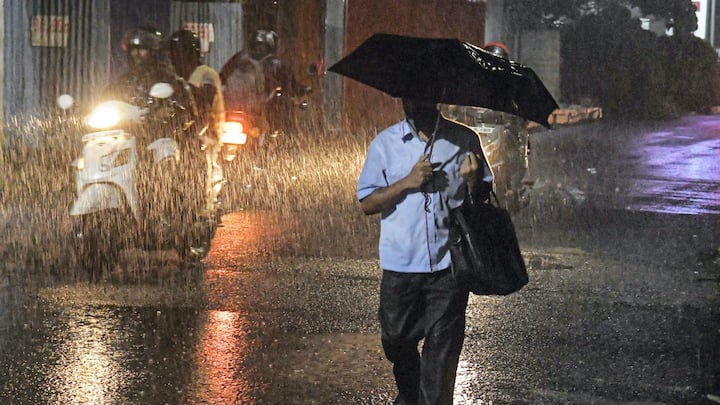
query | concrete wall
[497, 28]
[494, 20]
[540, 50]
[34, 75]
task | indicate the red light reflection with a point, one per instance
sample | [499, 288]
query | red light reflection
[223, 347]
[243, 238]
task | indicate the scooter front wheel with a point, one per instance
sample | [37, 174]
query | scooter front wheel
[195, 243]
[98, 242]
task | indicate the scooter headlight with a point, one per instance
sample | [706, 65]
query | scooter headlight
[104, 116]
[79, 164]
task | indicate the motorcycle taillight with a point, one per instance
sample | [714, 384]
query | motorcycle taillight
[233, 133]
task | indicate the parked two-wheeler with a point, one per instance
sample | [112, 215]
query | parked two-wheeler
[505, 141]
[140, 186]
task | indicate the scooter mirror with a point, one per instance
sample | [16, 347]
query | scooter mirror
[161, 90]
[65, 101]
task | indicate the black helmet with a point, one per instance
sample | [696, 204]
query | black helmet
[497, 49]
[143, 37]
[185, 47]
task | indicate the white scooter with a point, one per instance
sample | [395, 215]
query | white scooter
[132, 195]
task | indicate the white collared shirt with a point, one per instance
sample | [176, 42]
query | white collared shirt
[413, 239]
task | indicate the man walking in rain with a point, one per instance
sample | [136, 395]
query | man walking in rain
[414, 173]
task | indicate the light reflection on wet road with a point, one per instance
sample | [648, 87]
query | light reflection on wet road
[117, 352]
[87, 370]
[679, 170]
[674, 169]
[156, 339]
[223, 345]
[138, 343]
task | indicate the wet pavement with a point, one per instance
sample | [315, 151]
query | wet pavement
[622, 306]
[672, 167]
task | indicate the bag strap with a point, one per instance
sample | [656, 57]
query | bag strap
[497, 201]
[492, 189]
[468, 195]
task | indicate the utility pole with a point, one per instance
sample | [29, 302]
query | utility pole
[712, 23]
[2, 82]
[334, 45]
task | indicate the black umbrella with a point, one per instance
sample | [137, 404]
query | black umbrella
[449, 71]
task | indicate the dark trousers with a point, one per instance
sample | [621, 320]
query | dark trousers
[429, 306]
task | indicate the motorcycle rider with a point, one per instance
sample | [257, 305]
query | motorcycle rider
[186, 58]
[146, 67]
[175, 117]
[270, 95]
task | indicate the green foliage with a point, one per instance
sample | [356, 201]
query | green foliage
[535, 14]
[631, 72]
[679, 14]
[691, 62]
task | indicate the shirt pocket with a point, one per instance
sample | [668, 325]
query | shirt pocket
[400, 166]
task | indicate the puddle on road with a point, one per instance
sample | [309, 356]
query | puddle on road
[355, 361]
[550, 260]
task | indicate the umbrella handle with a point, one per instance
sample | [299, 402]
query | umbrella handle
[431, 141]
[437, 125]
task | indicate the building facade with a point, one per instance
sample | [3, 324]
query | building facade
[55, 47]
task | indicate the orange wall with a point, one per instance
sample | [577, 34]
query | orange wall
[300, 31]
[460, 19]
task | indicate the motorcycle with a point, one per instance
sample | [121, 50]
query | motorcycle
[137, 188]
[270, 125]
[506, 143]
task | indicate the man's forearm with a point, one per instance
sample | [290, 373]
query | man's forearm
[384, 198]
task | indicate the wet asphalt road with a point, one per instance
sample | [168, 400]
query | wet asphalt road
[672, 167]
[621, 308]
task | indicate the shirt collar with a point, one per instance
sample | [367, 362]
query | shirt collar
[408, 131]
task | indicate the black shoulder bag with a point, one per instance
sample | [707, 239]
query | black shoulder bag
[484, 249]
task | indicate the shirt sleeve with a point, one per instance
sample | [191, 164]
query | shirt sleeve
[204, 75]
[373, 172]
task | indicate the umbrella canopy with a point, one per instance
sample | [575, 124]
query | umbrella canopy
[449, 71]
